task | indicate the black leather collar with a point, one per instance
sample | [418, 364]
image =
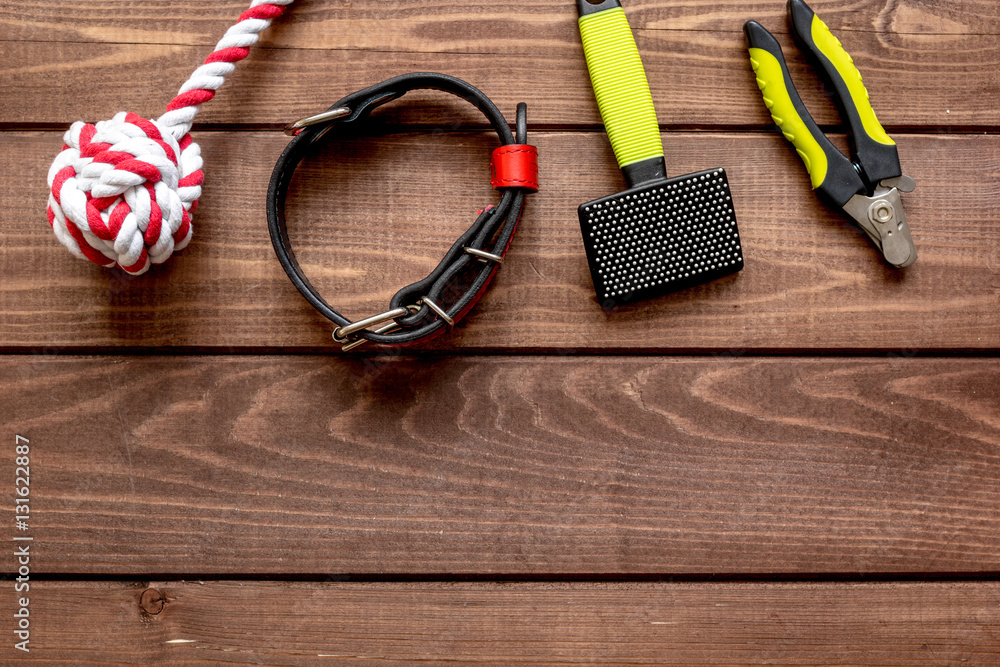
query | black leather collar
[425, 309]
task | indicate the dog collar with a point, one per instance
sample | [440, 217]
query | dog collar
[426, 308]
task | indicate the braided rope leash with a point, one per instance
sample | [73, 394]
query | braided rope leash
[122, 191]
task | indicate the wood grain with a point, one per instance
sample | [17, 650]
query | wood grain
[57, 64]
[521, 465]
[458, 470]
[369, 216]
[537, 624]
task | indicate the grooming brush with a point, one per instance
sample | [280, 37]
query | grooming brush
[661, 234]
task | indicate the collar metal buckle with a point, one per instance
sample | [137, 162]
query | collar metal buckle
[333, 114]
[344, 335]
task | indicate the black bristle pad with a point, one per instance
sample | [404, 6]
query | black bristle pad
[661, 237]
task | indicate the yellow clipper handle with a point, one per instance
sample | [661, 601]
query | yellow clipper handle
[771, 80]
[873, 149]
[619, 82]
[831, 173]
[827, 44]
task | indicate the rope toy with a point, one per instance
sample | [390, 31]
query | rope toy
[122, 191]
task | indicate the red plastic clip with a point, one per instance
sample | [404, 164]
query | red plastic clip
[515, 166]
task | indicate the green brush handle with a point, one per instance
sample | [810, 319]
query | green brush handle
[620, 85]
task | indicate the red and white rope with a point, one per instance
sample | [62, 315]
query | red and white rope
[122, 191]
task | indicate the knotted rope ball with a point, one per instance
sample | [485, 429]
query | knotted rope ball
[122, 191]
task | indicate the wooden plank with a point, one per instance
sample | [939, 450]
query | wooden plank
[372, 215]
[396, 23]
[538, 624]
[928, 65]
[519, 465]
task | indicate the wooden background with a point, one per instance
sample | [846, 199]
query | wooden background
[799, 464]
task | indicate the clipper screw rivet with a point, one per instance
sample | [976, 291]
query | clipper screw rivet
[881, 212]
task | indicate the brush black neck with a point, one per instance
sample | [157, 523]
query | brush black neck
[645, 171]
[586, 7]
